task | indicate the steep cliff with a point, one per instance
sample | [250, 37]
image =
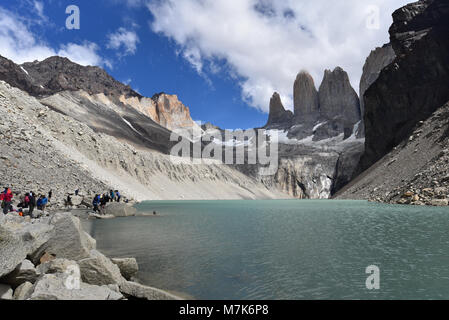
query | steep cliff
[411, 88]
[376, 61]
[407, 113]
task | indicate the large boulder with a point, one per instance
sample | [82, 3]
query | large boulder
[69, 241]
[24, 291]
[53, 287]
[35, 236]
[99, 270]
[120, 209]
[12, 251]
[25, 272]
[57, 266]
[6, 292]
[139, 291]
[128, 266]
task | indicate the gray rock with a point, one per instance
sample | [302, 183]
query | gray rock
[136, 290]
[53, 287]
[305, 98]
[337, 98]
[120, 209]
[278, 117]
[24, 291]
[128, 266]
[412, 88]
[99, 270]
[439, 202]
[25, 272]
[12, 251]
[56, 266]
[69, 241]
[35, 236]
[6, 292]
[376, 61]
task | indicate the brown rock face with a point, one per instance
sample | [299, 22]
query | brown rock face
[278, 115]
[337, 98]
[171, 113]
[417, 82]
[305, 97]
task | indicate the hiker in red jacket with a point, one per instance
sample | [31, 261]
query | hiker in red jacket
[6, 198]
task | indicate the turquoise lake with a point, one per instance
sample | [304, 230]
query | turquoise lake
[284, 249]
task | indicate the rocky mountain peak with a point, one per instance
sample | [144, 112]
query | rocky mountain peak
[337, 98]
[278, 115]
[305, 97]
[57, 74]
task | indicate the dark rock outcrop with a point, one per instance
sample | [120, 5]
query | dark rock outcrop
[337, 98]
[411, 88]
[376, 61]
[305, 98]
[278, 117]
[57, 74]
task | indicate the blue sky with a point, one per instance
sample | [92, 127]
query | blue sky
[223, 58]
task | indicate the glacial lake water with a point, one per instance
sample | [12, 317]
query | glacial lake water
[284, 249]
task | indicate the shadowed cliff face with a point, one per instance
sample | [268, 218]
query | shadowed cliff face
[411, 88]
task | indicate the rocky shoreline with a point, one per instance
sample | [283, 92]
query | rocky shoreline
[53, 258]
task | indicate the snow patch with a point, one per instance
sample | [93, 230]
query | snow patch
[131, 126]
[23, 69]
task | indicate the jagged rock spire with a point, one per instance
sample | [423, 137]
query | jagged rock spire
[337, 98]
[278, 114]
[305, 97]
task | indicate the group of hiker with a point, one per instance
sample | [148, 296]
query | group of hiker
[28, 201]
[99, 202]
[31, 201]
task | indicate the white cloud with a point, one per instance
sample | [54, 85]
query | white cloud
[19, 44]
[39, 7]
[85, 54]
[268, 42]
[125, 39]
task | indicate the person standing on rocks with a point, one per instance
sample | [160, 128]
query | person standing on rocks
[31, 203]
[50, 194]
[6, 198]
[118, 195]
[96, 202]
[112, 195]
[68, 202]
